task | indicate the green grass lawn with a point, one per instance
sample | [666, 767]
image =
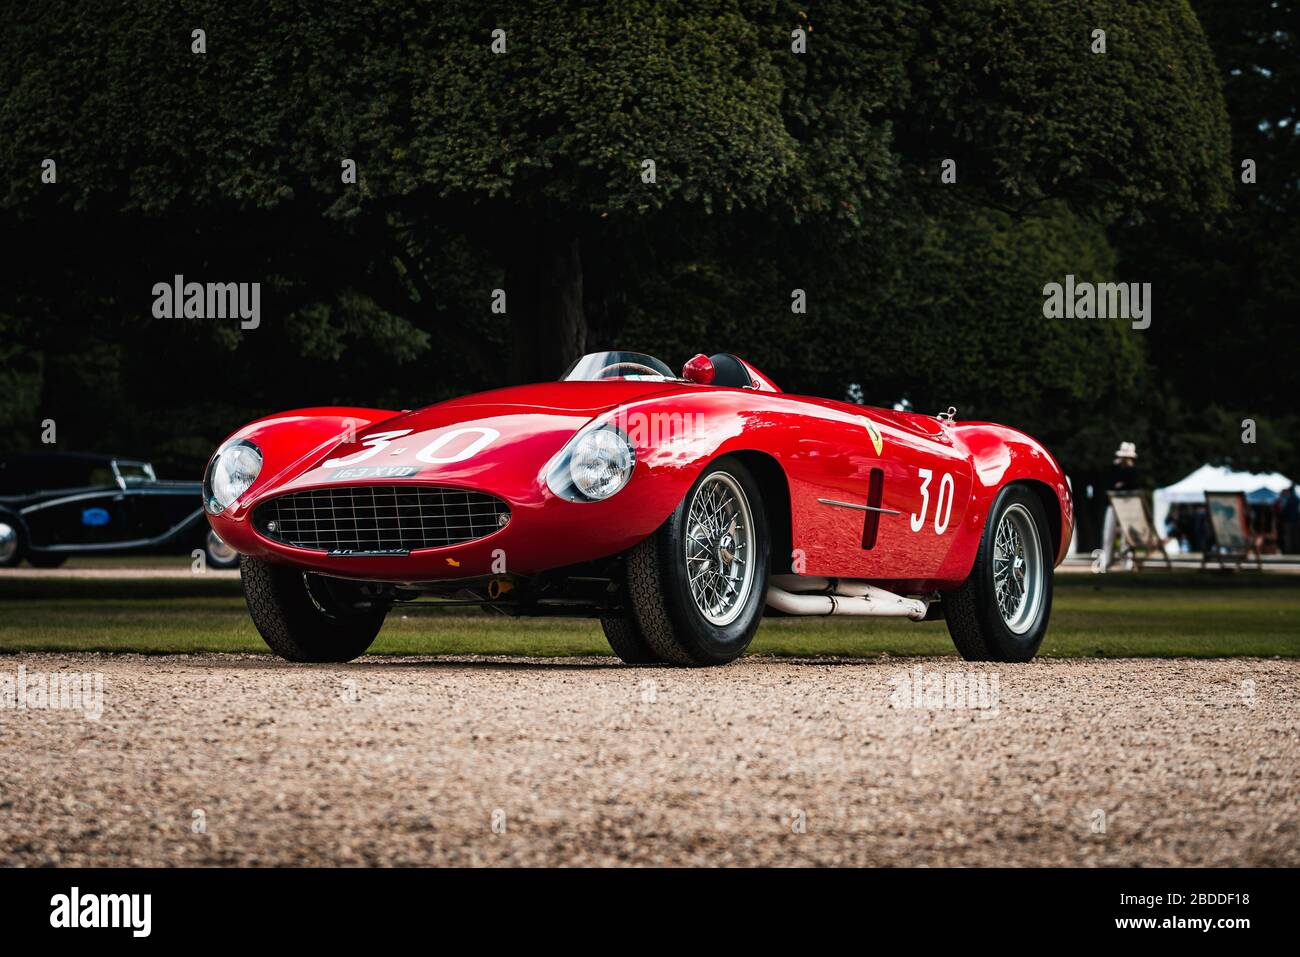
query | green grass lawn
[1154, 614]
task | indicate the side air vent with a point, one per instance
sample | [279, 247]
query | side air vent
[871, 523]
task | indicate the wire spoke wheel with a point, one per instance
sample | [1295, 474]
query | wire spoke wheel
[692, 592]
[1018, 569]
[1001, 611]
[719, 546]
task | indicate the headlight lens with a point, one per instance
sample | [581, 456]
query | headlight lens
[595, 464]
[230, 473]
[601, 463]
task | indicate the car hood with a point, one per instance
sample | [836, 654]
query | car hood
[497, 440]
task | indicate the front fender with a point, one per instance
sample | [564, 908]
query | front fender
[286, 439]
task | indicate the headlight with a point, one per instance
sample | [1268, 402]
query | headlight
[230, 473]
[596, 463]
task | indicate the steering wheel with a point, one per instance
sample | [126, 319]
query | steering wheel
[628, 365]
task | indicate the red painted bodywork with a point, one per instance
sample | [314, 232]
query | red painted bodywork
[823, 449]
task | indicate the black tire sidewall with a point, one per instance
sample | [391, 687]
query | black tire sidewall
[705, 642]
[1004, 644]
[627, 642]
[291, 624]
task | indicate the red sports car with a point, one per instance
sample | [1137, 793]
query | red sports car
[676, 509]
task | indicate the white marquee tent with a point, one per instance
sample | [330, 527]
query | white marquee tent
[1211, 478]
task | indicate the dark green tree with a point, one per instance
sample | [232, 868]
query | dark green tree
[526, 170]
[1222, 345]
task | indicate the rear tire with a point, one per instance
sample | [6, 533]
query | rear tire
[717, 541]
[990, 621]
[308, 617]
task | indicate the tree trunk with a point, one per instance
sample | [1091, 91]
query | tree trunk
[544, 304]
[604, 294]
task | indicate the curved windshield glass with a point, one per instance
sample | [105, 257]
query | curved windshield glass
[617, 365]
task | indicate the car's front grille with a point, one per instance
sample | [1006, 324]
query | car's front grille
[380, 518]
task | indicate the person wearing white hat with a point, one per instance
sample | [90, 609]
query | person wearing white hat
[1123, 477]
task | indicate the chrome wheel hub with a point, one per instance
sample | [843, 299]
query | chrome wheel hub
[219, 549]
[1018, 569]
[8, 542]
[719, 530]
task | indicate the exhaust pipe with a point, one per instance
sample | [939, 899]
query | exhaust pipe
[836, 596]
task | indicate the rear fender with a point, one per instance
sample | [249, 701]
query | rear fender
[1000, 456]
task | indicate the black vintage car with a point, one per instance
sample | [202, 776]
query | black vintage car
[57, 504]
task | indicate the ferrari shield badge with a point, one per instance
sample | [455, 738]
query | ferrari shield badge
[877, 442]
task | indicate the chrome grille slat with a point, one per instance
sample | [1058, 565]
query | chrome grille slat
[380, 517]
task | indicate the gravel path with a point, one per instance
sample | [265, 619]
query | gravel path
[223, 759]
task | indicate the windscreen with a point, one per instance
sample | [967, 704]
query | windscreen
[135, 472]
[617, 365]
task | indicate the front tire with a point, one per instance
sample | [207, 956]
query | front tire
[1000, 612]
[628, 643]
[308, 617]
[695, 588]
